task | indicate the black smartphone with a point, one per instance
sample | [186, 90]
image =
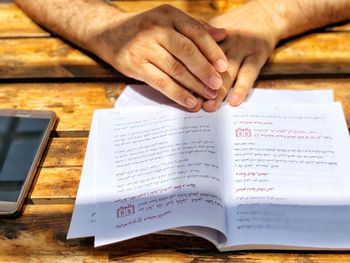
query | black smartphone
[23, 138]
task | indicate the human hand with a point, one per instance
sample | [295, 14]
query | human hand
[168, 50]
[251, 37]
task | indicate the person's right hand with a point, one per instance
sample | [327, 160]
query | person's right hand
[167, 49]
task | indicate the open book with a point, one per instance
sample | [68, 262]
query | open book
[258, 176]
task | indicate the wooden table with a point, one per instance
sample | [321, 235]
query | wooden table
[40, 71]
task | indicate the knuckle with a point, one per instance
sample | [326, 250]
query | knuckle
[161, 83]
[241, 90]
[258, 48]
[243, 87]
[148, 23]
[248, 73]
[196, 30]
[177, 68]
[232, 70]
[215, 53]
[186, 47]
[166, 9]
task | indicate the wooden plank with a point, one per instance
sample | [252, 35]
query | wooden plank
[74, 103]
[55, 186]
[200, 9]
[48, 58]
[14, 23]
[39, 235]
[65, 152]
[58, 176]
[341, 27]
[326, 53]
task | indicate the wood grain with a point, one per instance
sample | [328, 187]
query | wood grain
[39, 235]
[15, 23]
[48, 58]
[319, 53]
[44, 58]
[57, 185]
[58, 176]
[74, 103]
[199, 9]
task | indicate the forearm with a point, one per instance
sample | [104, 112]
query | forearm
[292, 17]
[76, 20]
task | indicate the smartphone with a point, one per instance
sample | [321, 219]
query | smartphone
[23, 137]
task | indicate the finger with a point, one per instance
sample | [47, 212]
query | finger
[219, 34]
[187, 52]
[247, 75]
[196, 32]
[167, 86]
[176, 70]
[228, 78]
[213, 105]
[199, 105]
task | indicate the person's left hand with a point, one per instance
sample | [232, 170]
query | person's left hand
[251, 37]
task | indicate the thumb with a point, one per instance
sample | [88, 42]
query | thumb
[218, 34]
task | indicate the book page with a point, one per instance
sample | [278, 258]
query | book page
[287, 176]
[156, 169]
[84, 215]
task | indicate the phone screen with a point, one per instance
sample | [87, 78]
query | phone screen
[20, 139]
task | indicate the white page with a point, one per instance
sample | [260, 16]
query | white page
[287, 175]
[135, 96]
[142, 95]
[157, 169]
[258, 95]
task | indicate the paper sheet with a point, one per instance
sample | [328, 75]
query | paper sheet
[143, 95]
[83, 218]
[158, 169]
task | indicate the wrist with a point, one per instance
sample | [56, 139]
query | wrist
[278, 13]
[93, 29]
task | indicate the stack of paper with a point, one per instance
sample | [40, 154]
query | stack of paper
[150, 166]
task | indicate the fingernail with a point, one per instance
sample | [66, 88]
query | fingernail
[210, 105]
[191, 102]
[235, 99]
[221, 65]
[215, 82]
[211, 93]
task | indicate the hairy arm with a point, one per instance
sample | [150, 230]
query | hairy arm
[76, 20]
[294, 17]
[164, 47]
[254, 30]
